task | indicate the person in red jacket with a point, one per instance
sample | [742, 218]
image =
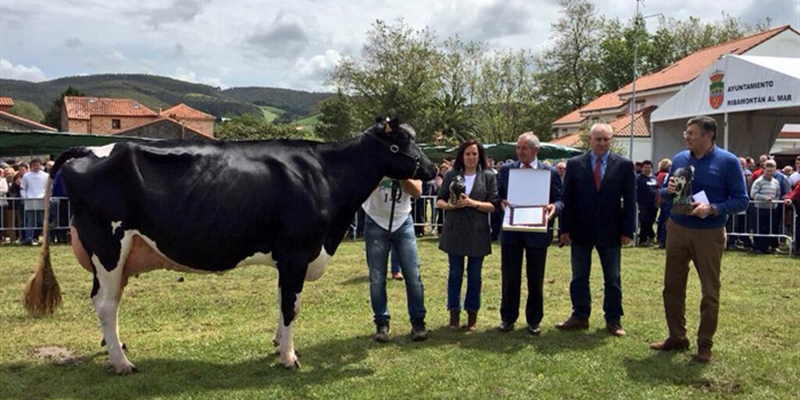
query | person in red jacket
[794, 198]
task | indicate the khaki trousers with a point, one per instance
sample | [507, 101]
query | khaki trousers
[704, 248]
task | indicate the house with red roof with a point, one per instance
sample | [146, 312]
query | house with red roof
[110, 116]
[655, 89]
[11, 122]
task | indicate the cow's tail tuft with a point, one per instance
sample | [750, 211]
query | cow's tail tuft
[42, 293]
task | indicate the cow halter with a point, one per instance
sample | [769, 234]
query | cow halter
[396, 150]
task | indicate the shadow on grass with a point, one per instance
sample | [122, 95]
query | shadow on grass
[665, 368]
[158, 378]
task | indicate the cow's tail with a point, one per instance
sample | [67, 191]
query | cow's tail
[42, 293]
[68, 154]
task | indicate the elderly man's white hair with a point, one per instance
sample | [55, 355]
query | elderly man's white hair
[532, 140]
[603, 126]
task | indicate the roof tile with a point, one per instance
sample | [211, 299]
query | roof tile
[182, 111]
[6, 102]
[25, 121]
[689, 67]
[85, 107]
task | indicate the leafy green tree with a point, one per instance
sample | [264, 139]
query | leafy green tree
[53, 116]
[396, 75]
[253, 127]
[27, 110]
[568, 73]
[337, 121]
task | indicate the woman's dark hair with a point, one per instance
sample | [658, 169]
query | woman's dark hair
[459, 162]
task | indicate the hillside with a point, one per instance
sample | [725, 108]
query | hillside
[160, 92]
[296, 102]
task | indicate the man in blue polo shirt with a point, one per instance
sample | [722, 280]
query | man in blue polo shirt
[696, 232]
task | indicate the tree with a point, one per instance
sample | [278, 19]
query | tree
[337, 121]
[568, 75]
[27, 110]
[253, 127]
[53, 116]
[397, 74]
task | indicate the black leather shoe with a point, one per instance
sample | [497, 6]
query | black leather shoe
[534, 330]
[505, 327]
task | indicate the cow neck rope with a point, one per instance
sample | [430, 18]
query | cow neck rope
[394, 149]
[395, 186]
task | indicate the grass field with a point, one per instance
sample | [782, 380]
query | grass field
[270, 113]
[209, 337]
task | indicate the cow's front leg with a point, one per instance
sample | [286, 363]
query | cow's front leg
[284, 338]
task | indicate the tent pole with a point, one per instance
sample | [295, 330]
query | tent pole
[726, 131]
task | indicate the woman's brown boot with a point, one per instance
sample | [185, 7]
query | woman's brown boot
[472, 320]
[455, 316]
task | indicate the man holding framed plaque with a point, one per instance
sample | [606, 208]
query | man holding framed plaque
[599, 213]
[531, 194]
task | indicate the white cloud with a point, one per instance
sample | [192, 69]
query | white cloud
[183, 74]
[20, 72]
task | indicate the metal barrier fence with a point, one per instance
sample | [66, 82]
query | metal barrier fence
[13, 225]
[763, 224]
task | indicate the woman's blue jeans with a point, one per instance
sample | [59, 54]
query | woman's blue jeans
[472, 299]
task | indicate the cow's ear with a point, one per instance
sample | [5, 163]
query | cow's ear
[394, 125]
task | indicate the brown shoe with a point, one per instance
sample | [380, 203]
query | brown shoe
[398, 276]
[703, 355]
[455, 317]
[573, 324]
[615, 329]
[671, 345]
[472, 320]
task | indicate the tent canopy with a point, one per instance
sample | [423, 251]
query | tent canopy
[28, 143]
[751, 97]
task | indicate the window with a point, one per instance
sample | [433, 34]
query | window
[115, 124]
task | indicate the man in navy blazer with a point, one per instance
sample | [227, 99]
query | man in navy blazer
[534, 244]
[599, 212]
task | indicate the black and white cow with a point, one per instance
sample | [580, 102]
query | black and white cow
[213, 206]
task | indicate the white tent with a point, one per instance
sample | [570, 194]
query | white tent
[751, 97]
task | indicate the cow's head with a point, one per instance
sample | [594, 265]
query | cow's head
[404, 158]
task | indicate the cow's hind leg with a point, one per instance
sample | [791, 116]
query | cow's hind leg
[109, 283]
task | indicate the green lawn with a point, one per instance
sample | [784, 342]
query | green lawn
[270, 113]
[209, 336]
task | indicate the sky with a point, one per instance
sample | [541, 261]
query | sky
[285, 43]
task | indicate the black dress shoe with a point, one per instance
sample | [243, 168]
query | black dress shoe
[534, 330]
[505, 327]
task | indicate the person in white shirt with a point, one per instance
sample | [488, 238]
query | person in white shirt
[32, 187]
[388, 225]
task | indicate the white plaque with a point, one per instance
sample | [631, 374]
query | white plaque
[528, 196]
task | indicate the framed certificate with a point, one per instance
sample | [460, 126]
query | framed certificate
[529, 195]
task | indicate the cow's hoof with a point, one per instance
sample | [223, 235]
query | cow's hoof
[291, 366]
[125, 369]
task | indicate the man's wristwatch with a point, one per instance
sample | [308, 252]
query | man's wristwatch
[714, 210]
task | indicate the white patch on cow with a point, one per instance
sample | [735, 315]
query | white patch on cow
[102, 151]
[258, 258]
[317, 267]
[115, 225]
[315, 270]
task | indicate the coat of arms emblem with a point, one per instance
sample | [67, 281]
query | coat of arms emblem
[716, 91]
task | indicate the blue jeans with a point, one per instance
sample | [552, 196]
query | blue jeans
[33, 219]
[581, 260]
[378, 242]
[472, 299]
[395, 261]
[663, 216]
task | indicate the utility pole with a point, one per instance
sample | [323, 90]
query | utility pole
[635, 75]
